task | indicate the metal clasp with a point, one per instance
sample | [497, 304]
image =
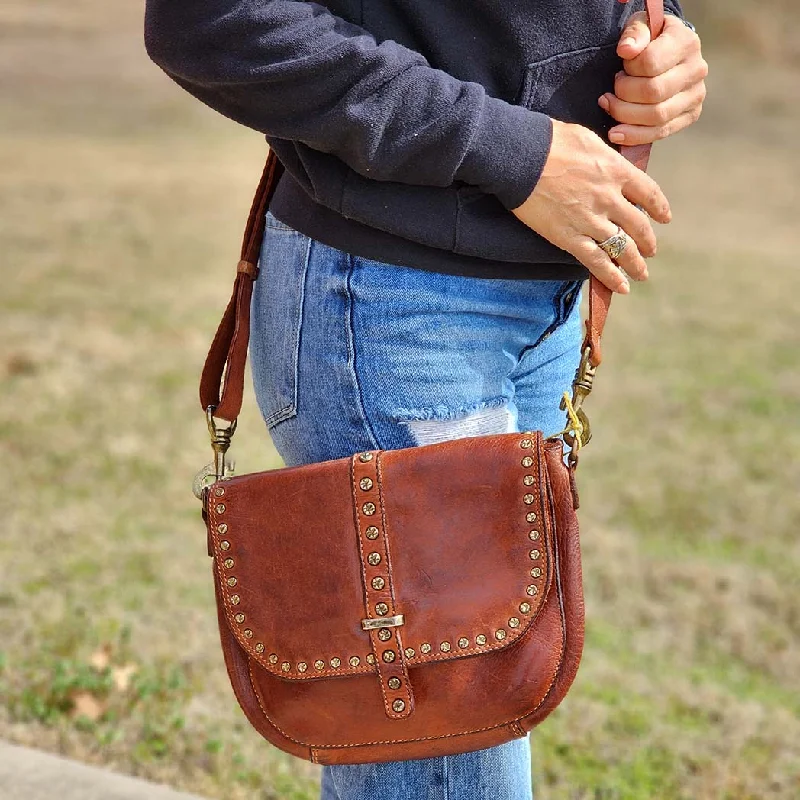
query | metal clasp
[579, 432]
[371, 624]
[220, 468]
[220, 443]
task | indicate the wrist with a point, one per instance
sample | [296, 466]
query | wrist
[507, 152]
[679, 15]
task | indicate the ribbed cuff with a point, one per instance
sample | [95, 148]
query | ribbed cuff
[508, 151]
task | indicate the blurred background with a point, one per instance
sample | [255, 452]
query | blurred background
[121, 205]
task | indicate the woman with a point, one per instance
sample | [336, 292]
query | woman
[450, 179]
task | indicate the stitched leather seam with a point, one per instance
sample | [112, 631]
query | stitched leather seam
[548, 532]
[216, 343]
[368, 744]
[364, 579]
[237, 332]
[407, 689]
[383, 669]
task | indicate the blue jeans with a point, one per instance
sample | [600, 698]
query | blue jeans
[351, 354]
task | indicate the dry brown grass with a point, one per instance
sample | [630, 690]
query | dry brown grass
[120, 213]
[768, 30]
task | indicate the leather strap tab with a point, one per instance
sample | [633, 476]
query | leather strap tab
[376, 572]
[248, 269]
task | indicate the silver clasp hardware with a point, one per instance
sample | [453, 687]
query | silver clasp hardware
[207, 476]
[382, 622]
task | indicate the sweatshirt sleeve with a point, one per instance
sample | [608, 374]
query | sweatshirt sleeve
[674, 7]
[295, 71]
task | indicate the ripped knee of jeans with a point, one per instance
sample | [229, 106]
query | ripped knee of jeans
[430, 426]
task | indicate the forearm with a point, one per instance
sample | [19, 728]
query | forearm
[295, 71]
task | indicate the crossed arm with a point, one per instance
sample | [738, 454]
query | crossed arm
[386, 113]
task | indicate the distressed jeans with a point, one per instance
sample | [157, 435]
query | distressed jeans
[352, 354]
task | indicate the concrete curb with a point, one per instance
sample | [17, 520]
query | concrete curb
[27, 774]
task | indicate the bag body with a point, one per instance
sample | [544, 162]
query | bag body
[476, 574]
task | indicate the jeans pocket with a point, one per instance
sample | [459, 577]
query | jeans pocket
[277, 312]
[565, 301]
[568, 299]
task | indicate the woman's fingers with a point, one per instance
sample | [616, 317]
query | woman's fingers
[661, 90]
[643, 123]
[585, 249]
[676, 44]
[655, 114]
[638, 134]
[630, 259]
[641, 190]
[637, 225]
[650, 91]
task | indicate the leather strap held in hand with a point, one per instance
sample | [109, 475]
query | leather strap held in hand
[222, 381]
[639, 156]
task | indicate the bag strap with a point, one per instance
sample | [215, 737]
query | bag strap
[639, 156]
[222, 381]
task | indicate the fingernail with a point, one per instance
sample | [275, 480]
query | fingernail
[624, 288]
[617, 137]
[629, 41]
[604, 104]
[620, 74]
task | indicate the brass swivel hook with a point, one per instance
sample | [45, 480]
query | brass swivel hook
[220, 443]
[578, 432]
[221, 468]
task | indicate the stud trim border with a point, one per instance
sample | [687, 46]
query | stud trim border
[540, 516]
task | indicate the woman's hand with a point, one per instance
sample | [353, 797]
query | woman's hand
[662, 88]
[586, 190]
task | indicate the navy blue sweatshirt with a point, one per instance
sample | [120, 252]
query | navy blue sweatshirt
[408, 128]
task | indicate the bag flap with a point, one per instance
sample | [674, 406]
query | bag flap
[469, 528]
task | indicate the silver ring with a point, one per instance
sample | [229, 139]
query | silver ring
[615, 245]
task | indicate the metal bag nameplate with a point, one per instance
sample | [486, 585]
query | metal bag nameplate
[382, 622]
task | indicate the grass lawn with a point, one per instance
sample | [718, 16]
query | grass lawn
[121, 207]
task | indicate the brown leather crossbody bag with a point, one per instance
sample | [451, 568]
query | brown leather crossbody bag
[397, 604]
